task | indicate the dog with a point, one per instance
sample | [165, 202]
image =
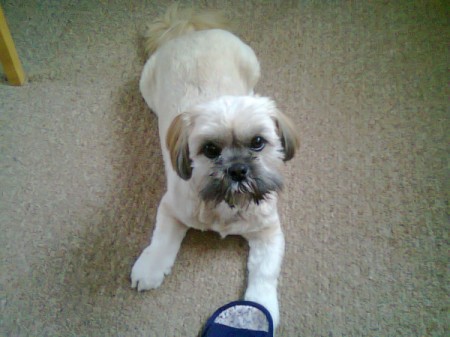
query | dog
[223, 148]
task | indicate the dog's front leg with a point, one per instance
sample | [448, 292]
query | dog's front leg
[264, 264]
[158, 258]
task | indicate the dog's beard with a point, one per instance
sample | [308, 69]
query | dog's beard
[255, 188]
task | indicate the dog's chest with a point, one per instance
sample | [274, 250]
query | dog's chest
[230, 221]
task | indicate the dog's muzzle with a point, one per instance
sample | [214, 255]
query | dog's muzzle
[240, 183]
[238, 172]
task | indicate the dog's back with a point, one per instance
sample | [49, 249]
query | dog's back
[194, 60]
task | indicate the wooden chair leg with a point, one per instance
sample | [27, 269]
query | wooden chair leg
[8, 54]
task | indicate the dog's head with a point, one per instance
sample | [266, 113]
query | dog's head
[232, 148]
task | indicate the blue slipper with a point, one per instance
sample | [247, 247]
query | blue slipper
[239, 319]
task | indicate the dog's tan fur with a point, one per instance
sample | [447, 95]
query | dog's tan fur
[199, 82]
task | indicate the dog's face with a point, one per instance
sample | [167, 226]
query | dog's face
[231, 149]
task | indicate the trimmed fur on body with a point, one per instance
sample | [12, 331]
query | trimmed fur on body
[199, 81]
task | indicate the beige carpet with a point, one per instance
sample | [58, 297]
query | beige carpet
[364, 210]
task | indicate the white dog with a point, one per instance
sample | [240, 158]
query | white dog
[222, 146]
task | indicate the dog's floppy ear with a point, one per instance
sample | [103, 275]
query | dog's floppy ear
[288, 135]
[177, 143]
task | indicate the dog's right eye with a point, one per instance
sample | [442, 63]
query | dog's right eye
[211, 150]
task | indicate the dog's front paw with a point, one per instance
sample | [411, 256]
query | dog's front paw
[146, 274]
[266, 297]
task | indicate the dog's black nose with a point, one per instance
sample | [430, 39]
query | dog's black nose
[238, 172]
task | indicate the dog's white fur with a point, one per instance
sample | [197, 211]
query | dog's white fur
[200, 84]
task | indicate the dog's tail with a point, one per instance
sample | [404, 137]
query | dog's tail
[177, 21]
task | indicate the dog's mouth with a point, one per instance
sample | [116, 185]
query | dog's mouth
[252, 189]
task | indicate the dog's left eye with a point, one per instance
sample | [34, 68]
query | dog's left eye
[257, 143]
